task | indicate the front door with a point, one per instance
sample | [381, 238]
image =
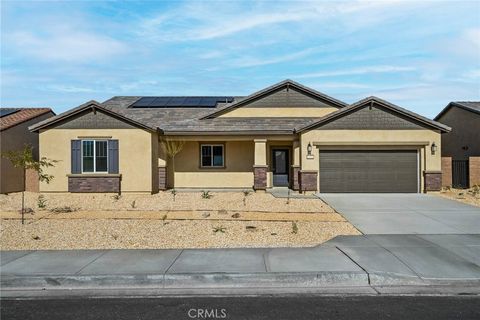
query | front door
[280, 166]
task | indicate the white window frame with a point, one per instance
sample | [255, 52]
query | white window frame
[94, 155]
[211, 161]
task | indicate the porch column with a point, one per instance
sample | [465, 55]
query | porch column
[296, 165]
[260, 165]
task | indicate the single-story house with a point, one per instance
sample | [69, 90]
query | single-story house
[284, 135]
[14, 135]
[461, 146]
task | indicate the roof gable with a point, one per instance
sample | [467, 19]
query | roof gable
[472, 106]
[82, 115]
[375, 114]
[285, 94]
[21, 115]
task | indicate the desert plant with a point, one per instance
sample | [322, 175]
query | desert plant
[475, 191]
[246, 193]
[219, 229]
[116, 197]
[25, 160]
[174, 193]
[133, 204]
[206, 195]
[172, 148]
[294, 227]
[41, 202]
[64, 209]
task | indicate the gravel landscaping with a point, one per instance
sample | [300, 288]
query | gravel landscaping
[163, 201]
[468, 196]
[101, 221]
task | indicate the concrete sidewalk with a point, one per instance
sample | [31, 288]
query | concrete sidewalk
[373, 260]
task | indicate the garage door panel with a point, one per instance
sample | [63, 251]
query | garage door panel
[368, 171]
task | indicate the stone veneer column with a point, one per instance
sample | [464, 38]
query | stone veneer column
[474, 171]
[433, 180]
[295, 173]
[162, 178]
[308, 180]
[260, 165]
[446, 171]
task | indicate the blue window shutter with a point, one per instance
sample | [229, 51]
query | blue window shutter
[113, 156]
[76, 155]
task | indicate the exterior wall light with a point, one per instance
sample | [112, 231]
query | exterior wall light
[309, 151]
[434, 148]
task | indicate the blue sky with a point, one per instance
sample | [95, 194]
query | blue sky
[417, 54]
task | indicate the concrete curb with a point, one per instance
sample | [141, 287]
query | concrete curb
[191, 280]
[222, 280]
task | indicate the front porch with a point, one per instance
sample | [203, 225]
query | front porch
[236, 163]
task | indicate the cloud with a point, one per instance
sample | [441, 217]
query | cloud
[65, 45]
[254, 62]
[356, 71]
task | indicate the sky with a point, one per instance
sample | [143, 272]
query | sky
[417, 54]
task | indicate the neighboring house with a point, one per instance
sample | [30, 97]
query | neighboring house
[284, 135]
[462, 144]
[14, 135]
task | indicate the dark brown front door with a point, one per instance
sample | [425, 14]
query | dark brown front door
[280, 164]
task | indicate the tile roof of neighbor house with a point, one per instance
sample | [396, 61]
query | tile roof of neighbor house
[21, 115]
[204, 120]
[473, 106]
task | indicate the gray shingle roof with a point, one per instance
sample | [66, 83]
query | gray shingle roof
[379, 101]
[199, 120]
[272, 88]
[188, 120]
[473, 106]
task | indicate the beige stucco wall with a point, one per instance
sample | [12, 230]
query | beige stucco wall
[278, 112]
[420, 140]
[137, 156]
[238, 171]
[14, 138]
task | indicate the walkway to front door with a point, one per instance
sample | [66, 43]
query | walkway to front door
[280, 165]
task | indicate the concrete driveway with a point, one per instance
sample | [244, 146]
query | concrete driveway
[405, 213]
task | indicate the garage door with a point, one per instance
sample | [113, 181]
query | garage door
[368, 171]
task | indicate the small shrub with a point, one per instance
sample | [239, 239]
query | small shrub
[35, 237]
[27, 211]
[236, 215]
[115, 236]
[294, 227]
[246, 193]
[206, 194]
[41, 202]
[64, 209]
[133, 204]
[164, 217]
[116, 197]
[219, 229]
[174, 193]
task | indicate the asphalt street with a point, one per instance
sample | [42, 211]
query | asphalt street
[264, 307]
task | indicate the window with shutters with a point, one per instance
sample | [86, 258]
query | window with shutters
[94, 156]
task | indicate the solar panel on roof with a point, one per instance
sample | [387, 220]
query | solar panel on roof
[7, 111]
[144, 102]
[180, 102]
